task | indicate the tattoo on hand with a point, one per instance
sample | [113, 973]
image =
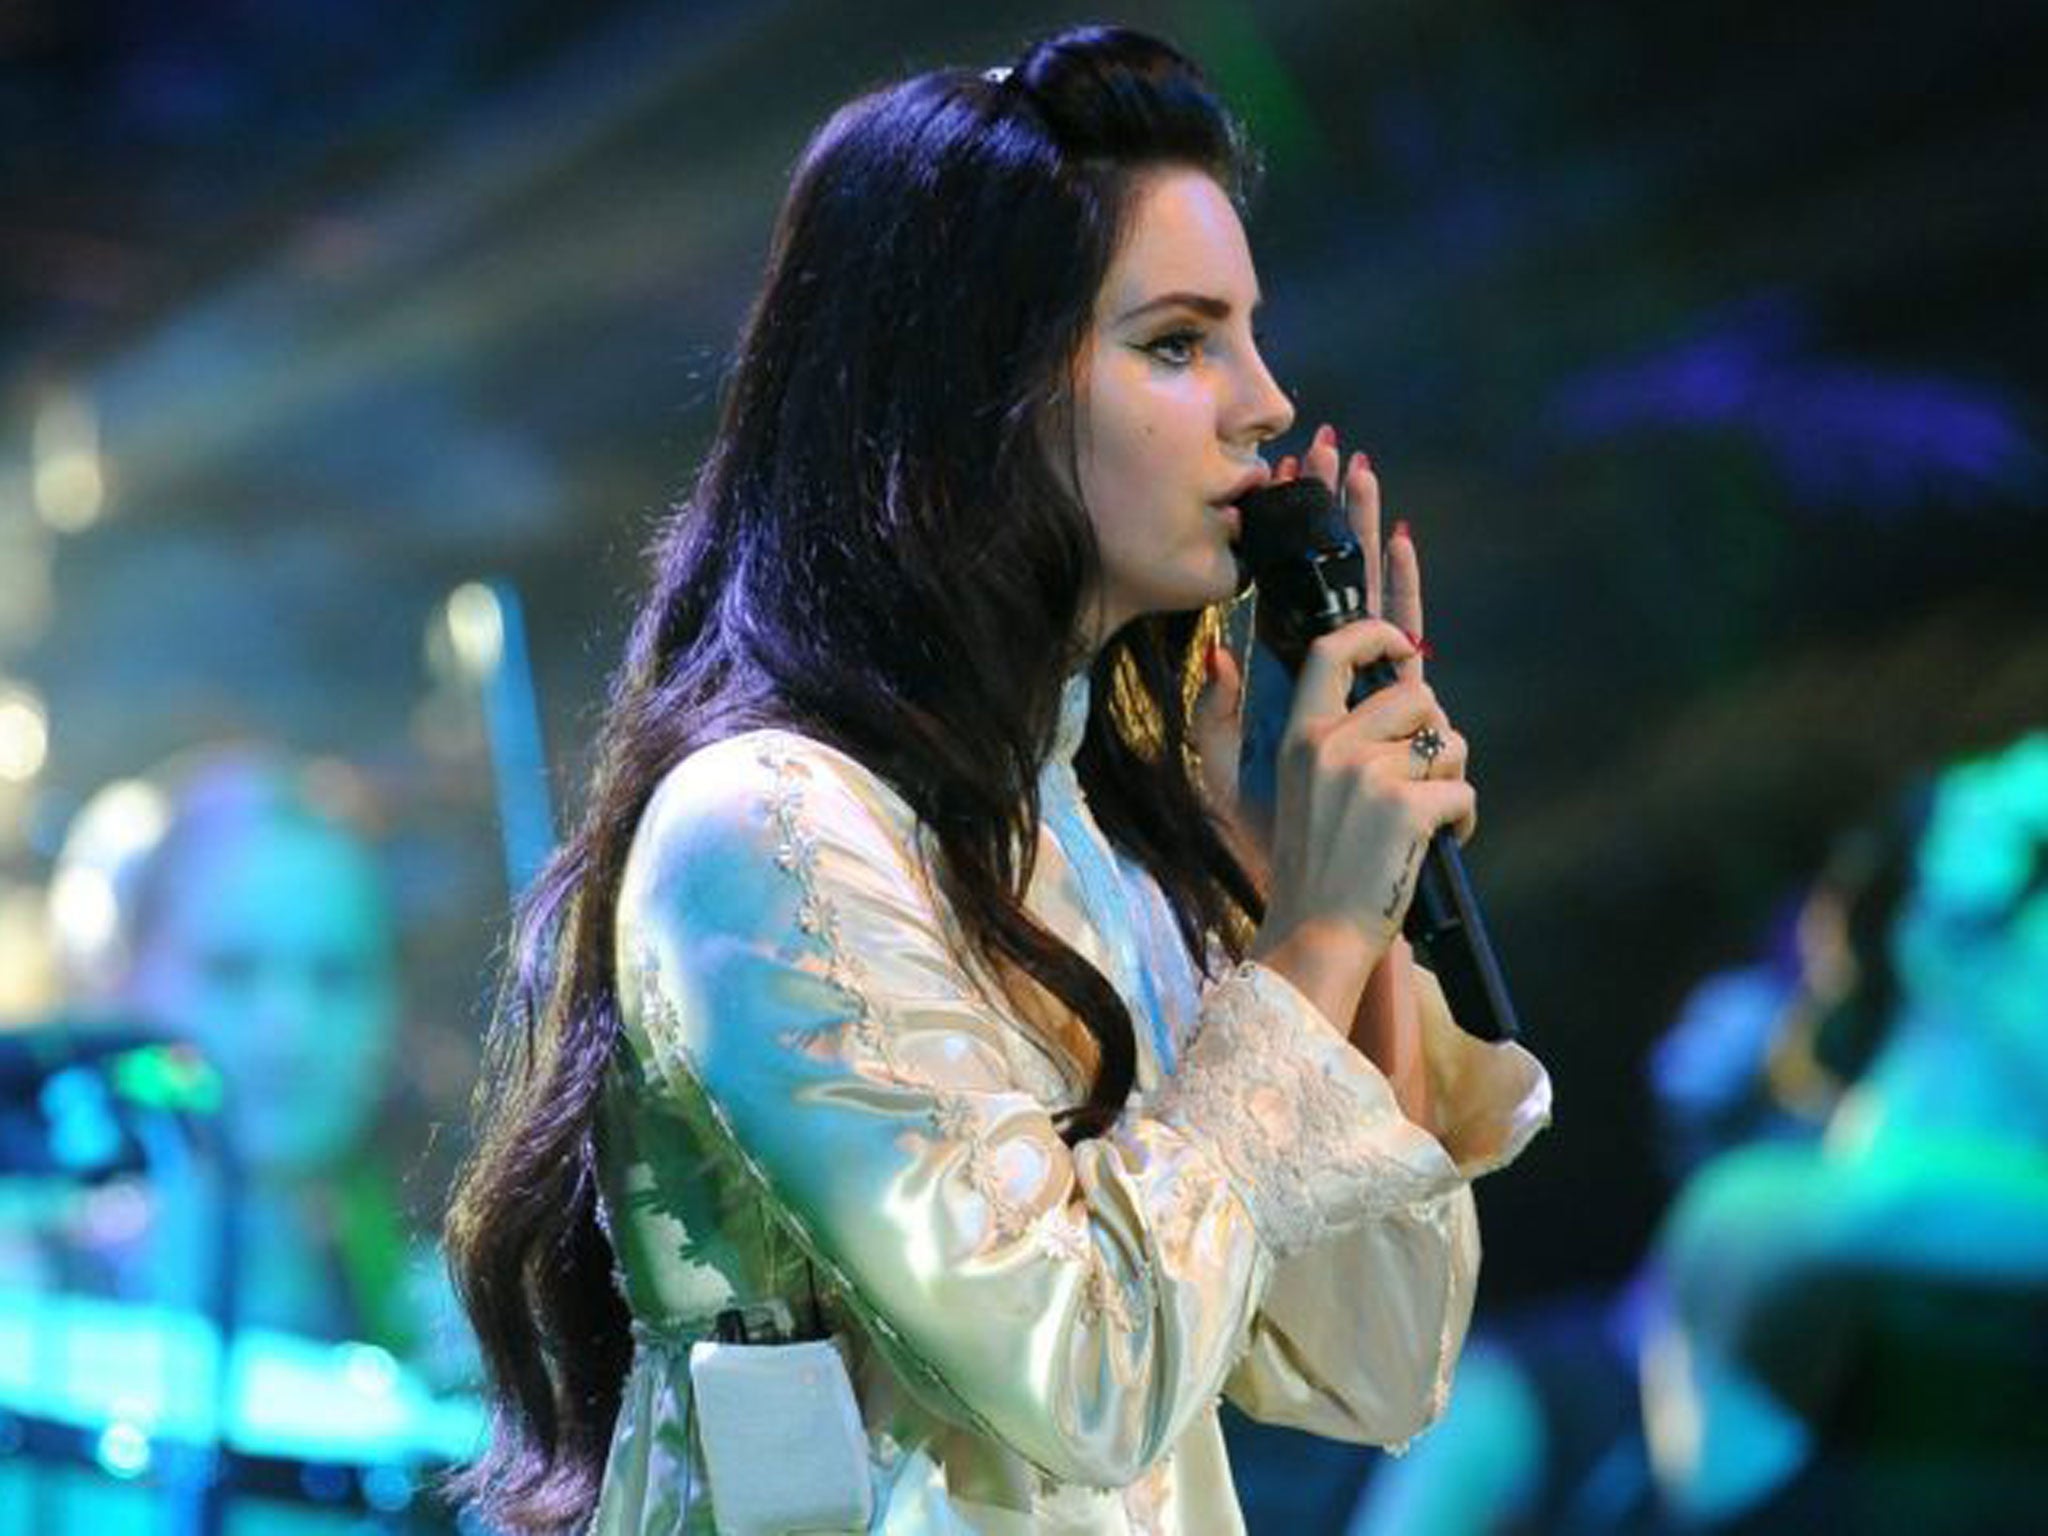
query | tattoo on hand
[1400, 890]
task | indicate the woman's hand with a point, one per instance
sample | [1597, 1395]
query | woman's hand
[1356, 809]
[1386, 1023]
[1393, 592]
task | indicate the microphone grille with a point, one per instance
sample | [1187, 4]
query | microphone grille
[1289, 521]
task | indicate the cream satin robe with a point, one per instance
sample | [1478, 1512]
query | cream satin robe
[1038, 1336]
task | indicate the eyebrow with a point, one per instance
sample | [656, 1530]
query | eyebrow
[1207, 305]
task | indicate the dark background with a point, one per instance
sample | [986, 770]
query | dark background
[1700, 344]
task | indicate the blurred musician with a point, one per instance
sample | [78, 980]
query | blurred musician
[233, 903]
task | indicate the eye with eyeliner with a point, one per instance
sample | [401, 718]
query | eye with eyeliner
[1177, 348]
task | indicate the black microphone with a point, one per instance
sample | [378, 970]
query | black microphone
[1298, 549]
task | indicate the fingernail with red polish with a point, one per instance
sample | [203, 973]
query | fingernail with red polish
[1422, 647]
[1401, 530]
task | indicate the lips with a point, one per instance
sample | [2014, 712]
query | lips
[1233, 520]
[1251, 482]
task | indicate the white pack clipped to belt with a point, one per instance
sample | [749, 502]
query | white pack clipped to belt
[782, 1438]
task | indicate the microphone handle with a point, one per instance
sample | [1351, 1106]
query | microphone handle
[1444, 922]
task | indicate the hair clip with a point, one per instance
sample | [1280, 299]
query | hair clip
[997, 75]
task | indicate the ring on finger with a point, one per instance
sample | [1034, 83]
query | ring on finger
[1424, 748]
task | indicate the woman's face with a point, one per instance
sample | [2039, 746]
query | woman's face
[1174, 400]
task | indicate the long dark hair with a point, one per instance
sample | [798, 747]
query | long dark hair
[882, 550]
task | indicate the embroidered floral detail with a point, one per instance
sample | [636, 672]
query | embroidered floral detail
[1063, 1235]
[1257, 1083]
[796, 854]
[955, 1117]
[658, 1014]
[1103, 1298]
[952, 1117]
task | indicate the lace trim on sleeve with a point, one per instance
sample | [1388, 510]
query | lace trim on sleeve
[1309, 1138]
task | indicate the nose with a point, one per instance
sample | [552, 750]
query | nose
[1264, 410]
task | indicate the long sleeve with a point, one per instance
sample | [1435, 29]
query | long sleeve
[1358, 1335]
[782, 960]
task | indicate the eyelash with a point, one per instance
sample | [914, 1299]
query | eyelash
[1188, 337]
[1182, 338]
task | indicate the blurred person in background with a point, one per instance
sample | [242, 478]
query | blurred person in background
[1546, 1435]
[257, 925]
[231, 901]
[1859, 1330]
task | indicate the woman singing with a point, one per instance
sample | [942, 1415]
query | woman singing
[909, 980]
